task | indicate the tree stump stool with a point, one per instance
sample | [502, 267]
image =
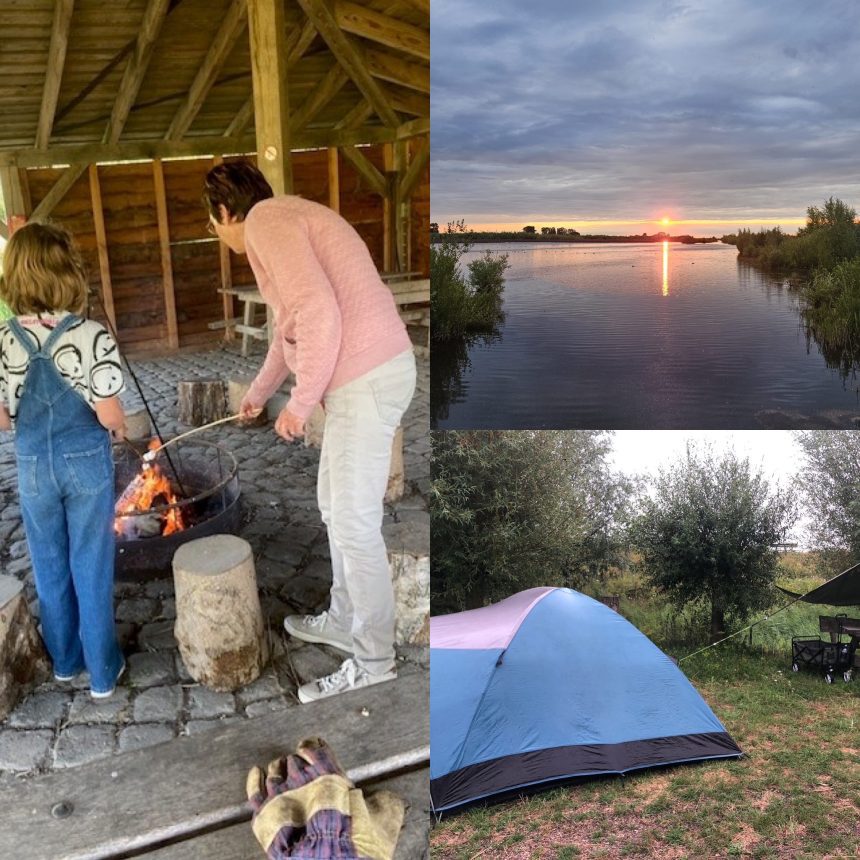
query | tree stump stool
[237, 388]
[408, 545]
[219, 623]
[201, 401]
[137, 424]
[24, 664]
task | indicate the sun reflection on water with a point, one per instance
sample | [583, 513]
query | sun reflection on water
[665, 268]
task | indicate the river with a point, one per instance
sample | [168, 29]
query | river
[631, 336]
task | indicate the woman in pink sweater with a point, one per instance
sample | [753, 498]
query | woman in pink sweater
[337, 328]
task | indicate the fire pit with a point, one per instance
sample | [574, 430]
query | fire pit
[207, 502]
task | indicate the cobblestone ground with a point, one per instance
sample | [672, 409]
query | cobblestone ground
[59, 726]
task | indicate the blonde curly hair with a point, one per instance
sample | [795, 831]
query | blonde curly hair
[43, 271]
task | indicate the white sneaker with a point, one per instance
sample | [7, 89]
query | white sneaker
[318, 628]
[106, 694]
[350, 676]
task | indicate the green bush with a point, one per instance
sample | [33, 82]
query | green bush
[464, 305]
[833, 307]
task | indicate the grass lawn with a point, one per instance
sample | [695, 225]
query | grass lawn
[796, 793]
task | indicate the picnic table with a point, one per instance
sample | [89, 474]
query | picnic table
[186, 798]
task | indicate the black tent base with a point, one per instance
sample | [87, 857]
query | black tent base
[530, 772]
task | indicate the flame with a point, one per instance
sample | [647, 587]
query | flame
[149, 483]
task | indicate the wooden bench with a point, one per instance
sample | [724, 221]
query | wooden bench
[247, 325]
[412, 298]
[186, 798]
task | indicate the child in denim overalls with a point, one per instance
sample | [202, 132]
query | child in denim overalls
[62, 412]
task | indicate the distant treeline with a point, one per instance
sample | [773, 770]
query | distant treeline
[825, 255]
[572, 236]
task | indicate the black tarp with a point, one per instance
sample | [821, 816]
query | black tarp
[842, 590]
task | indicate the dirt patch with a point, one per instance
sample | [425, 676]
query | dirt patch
[764, 801]
[746, 839]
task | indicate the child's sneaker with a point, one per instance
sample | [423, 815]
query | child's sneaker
[64, 679]
[106, 694]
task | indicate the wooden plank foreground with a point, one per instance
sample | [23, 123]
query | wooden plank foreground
[127, 804]
[238, 843]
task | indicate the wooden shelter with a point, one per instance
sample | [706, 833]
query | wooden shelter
[112, 112]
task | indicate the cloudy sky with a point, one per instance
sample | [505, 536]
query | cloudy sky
[645, 452]
[610, 115]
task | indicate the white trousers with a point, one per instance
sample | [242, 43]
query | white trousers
[361, 419]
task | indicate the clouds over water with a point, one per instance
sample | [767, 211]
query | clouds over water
[571, 110]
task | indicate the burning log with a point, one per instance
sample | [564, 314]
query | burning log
[150, 488]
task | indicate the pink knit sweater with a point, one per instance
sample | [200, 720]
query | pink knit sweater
[334, 318]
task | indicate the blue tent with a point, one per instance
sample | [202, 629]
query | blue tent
[549, 685]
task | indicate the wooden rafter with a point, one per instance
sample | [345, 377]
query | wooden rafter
[387, 67]
[356, 116]
[320, 96]
[54, 74]
[379, 27]
[365, 169]
[225, 39]
[408, 101]
[349, 55]
[420, 5]
[58, 191]
[135, 71]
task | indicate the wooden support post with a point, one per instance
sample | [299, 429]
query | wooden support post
[333, 179]
[367, 171]
[271, 102]
[388, 208]
[101, 244]
[226, 281]
[403, 214]
[166, 260]
[15, 196]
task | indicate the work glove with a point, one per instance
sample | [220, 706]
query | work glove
[305, 808]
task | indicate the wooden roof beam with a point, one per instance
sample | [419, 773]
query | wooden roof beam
[384, 29]
[54, 72]
[135, 70]
[225, 40]
[420, 5]
[387, 67]
[58, 191]
[409, 102]
[320, 96]
[366, 169]
[349, 55]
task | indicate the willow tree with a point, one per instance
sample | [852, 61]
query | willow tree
[515, 509]
[708, 531]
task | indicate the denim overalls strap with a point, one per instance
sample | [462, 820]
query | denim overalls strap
[20, 335]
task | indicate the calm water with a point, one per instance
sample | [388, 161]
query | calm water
[640, 336]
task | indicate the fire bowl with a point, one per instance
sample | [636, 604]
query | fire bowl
[204, 476]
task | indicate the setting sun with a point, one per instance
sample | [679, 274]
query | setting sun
[665, 221]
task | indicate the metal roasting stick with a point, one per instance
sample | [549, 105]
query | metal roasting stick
[149, 456]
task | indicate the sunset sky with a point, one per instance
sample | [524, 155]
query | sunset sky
[610, 116]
